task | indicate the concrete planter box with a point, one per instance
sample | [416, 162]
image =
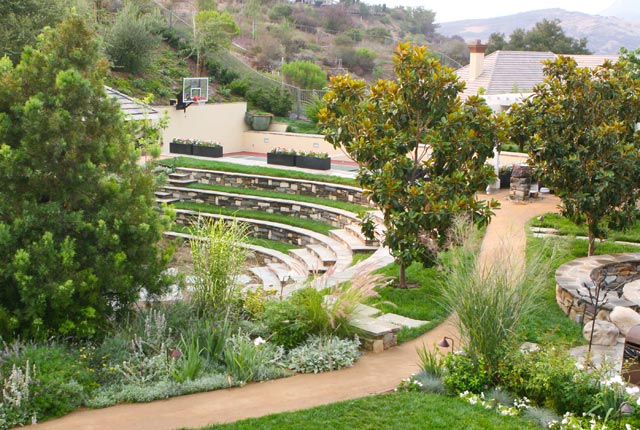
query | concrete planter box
[281, 159]
[181, 148]
[313, 162]
[207, 151]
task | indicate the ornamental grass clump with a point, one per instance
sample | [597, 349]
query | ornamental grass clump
[490, 298]
[218, 260]
[344, 298]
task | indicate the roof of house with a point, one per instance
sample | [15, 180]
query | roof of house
[133, 110]
[517, 71]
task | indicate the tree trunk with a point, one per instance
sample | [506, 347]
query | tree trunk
[402, 279]
[592, 244]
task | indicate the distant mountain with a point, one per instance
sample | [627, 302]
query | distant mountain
[624, 9]
[605, 34]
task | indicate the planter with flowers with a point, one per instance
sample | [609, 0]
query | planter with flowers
[207, 149]
[181, 146]
[313, 160]
[282, 157]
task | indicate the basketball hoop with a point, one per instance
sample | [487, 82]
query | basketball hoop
[200, 100]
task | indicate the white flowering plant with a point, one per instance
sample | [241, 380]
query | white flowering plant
[410, 384]
[514, 410]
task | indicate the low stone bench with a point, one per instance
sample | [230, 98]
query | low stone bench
[376, 335]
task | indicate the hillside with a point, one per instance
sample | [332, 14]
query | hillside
[605, 34]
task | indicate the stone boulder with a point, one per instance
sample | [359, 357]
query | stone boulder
[631, 291]
[624, 318]
[604, 333]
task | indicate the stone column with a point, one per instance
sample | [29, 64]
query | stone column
[520, 183]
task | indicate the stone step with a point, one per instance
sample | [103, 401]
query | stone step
[176, 175]
[267, 277]
[401, 320]
[356, 245]
[309, 259]
[182, 181]
[327, 256]
[167, 200]
[365, 310]
[356, 230]
[162, 194]
[286, 274]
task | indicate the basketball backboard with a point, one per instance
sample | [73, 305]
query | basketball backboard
[195, 90]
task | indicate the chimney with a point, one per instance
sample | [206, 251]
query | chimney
[476, 59]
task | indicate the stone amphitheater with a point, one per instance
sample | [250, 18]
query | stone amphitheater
[318, 259]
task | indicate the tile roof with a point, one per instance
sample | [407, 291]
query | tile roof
[133, 110]
[507, 72]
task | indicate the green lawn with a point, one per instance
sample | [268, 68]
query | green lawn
[318, 227]
[421, 302]
[549, 324]
[569, 228]
[298, 126]
[405, 411]
[197, 163]
[266, 243]
[347, 206]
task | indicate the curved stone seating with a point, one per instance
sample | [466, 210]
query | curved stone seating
[326, 190]
[614, 270]
[329, 215]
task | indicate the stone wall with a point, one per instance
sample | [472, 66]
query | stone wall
[283, 185]
[332, 216]
[616, 270]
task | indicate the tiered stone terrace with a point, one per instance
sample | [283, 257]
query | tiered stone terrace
[318, 253]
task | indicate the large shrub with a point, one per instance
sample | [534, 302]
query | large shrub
[305, 74]
[78, 227]
[130, 42]
[275, 100]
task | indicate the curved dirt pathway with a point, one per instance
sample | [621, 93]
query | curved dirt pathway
[372, 374]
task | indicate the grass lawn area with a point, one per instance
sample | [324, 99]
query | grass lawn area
[298, 126]
[266, 243]
[347, 206]
[318, 227]
[421, 303]
[406, 411]
[550, 324]
[569, 228]
[197, 163]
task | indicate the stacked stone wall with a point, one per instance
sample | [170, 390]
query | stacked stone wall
[283, 185]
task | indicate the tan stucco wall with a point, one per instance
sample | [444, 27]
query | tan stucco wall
[260, 141]
[224, 123]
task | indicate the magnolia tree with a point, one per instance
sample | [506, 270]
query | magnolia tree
[420, 149]
[580, 129]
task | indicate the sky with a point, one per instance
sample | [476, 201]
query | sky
[453, 10]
